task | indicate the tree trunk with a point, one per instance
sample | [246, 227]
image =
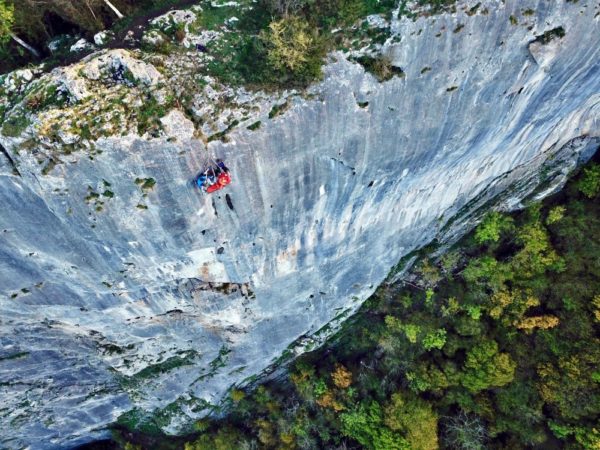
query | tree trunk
[24, 44]
[115, 10]
[87, 3]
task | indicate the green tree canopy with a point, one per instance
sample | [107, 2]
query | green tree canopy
[293, 48]
[7, 20]
[589, 184]
[492, 227]
[365, 425]
[415, 419]
[485, 367]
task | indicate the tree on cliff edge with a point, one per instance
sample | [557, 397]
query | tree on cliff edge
[7, 19]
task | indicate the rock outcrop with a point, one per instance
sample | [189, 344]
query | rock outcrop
[123, 288]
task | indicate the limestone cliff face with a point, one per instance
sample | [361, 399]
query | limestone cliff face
[124, 288]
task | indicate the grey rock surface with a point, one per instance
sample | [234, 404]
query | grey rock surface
[177, 126]
[161, 296]
[120, 61]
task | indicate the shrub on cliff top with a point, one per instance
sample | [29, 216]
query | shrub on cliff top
[6, 21]
[293, 49]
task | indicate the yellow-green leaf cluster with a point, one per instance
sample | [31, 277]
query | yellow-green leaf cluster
[289, 42]
[7, 20]
[293, 47]
[415, 419]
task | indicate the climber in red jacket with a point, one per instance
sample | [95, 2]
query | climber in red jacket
[214, 178]
[222, 180]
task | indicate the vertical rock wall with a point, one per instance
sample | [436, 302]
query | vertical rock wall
[166, 297]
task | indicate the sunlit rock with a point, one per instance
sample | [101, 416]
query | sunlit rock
[124, 288]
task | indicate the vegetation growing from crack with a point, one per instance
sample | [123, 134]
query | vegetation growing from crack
[381, 67]
[15, 124]
[145, 183]
[550, 35]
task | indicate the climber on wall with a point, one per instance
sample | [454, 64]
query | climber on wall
[214, 177]
[222, 180]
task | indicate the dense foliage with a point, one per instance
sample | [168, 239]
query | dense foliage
[6, 20]
[494, 345]
[274, 43]
[38, 22]
[282, 43]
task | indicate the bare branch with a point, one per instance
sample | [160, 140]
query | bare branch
[115, 10]
[24, 44]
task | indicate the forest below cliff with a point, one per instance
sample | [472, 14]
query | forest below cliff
[494, 344]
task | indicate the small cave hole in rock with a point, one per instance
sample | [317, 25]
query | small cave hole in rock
[229, 202]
